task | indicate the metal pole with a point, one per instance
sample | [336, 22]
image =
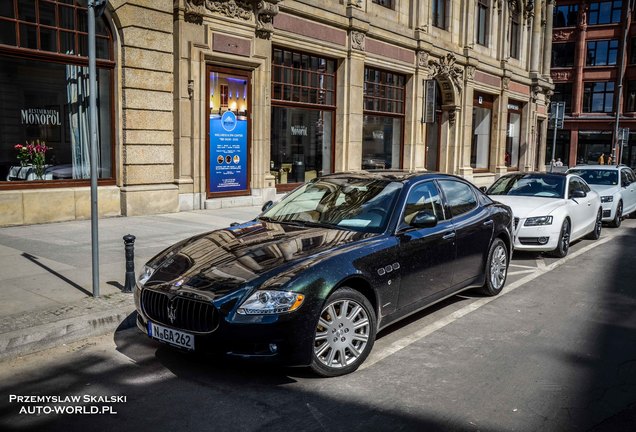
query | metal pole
[92, 79]
[129, 247]
[554, 135]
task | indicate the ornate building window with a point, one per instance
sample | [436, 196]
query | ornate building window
[303, 115]
[386, 3]
[601, 53]
[383, 123]
[45, 94]
[605, 12]
[565, 15]
[439, 13]
[483, 26]
[563, 54]
[515, 30]
[598, 97]
[563, 93]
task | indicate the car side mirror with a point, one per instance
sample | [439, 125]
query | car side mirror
[578, 194]
[625, 183]
[483, 189]
[268, 205]
[424, 219]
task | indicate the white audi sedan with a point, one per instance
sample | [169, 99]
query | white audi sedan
[616, 184]
[550, 210]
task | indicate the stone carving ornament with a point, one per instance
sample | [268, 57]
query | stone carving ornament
[562, 35]
[506, 83]
[357, 40]
[422, 59]
[263, 12]
[470, 73]
[446, 68]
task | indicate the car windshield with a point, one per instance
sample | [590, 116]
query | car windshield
[359, 204]
[538, 185]
[597, 176]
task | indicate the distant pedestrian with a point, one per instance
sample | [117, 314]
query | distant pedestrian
[601, 159]
[609, 159]
[558, 162]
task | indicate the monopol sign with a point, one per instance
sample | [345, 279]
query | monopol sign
[40, 116]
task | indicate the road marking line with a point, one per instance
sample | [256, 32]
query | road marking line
[443, 322]
[512, 273]
[523, 266]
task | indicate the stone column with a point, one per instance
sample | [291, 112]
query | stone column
[536, 38]
[353, 91]
[465, 170]
[579, 63]
[547, 42]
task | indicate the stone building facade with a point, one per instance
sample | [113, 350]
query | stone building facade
[213, 103]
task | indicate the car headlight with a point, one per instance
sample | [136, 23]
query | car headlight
[608, 198]
[264, 302]
[145, 274]
[538, 220]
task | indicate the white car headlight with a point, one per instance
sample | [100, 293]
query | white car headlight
[265, 302]
[608, 198]
[145, 274]
[538, 220]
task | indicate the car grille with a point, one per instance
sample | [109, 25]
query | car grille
[607, 213]
[516, 222]
[529, 240]
[179, 312]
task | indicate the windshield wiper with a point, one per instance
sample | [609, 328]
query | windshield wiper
[325, 225]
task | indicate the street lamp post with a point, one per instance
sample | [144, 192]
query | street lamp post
[95, 8]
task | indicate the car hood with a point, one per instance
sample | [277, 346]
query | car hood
[525, 206]
[223, 261]
[604, 190]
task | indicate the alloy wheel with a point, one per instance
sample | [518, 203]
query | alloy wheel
[342, 333]
[565, 236]
[498, 267]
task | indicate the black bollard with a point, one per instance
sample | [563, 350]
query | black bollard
[129, 246]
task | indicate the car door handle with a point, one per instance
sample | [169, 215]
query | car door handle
[488, 222]
[448, 236]
[589, 204]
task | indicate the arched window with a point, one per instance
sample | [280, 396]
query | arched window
[515, 33]
[482, 25]
[44, 118]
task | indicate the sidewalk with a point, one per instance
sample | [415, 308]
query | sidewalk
[46, 277]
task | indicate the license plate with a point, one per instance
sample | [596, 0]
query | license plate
[171, 336]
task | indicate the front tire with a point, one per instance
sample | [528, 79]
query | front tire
[496, 268]
[344, 334]
[598, 225]
[563, 246]
[618, 217]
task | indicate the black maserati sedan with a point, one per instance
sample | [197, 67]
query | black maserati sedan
[313, 278]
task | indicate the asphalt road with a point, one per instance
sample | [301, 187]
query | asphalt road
[555, 352]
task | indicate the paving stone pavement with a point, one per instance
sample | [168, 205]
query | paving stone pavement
[46, 276]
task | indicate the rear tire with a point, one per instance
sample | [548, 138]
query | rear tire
[563, 246]
[618, 217]
[496, 268]
[344, 334]
[598, 226]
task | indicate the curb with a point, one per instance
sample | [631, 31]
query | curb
[27, 333]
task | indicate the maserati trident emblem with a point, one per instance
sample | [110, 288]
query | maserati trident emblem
[172, 313]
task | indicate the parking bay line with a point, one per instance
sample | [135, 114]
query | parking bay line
[443, 322]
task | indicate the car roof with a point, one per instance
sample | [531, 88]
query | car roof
[596, 167]
[554, 174]
[392, 175]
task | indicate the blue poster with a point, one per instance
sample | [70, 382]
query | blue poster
[228, 153]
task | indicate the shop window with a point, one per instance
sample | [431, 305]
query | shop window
[480, 145]
[598, 97]
[593, 144]
[383, 121]
[44, 117]
[513, 135]
[632, 51]
[303, 114]
[439, 9]
[563, 93]
[565, 15]
[482, 27]
[563, 54]
[601, 53]
[605, 12]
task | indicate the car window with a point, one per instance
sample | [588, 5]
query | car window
[539, 185]
[631, 176]
[423, 197]
[624, 177]
[576, 184]
[597, 176]
[460, 196]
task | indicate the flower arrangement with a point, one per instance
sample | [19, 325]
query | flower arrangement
[33, 153]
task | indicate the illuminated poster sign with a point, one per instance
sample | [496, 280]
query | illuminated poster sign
[228, 153]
